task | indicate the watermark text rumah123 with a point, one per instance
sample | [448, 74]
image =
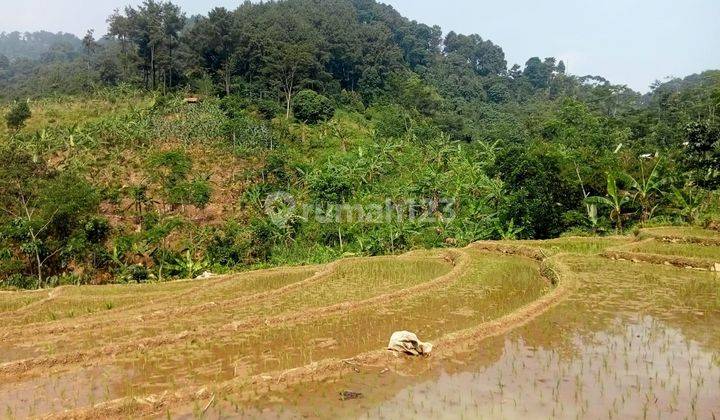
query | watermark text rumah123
[283, 208]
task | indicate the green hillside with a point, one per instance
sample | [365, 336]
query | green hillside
[382, 134]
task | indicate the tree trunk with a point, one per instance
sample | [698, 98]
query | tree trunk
[171, 67]
[288, 97]
[227, 79]
[39, 269]
[152, 67]
[341, 238]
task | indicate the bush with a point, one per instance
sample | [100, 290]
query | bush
[312, 108]
[229, 245]
[18, 115]
[391, 121]
[196, 193]
[137, 273]
[199, 193]
[97, 229]
[268, 109]
[173, 165]
[331, 185]
[247, 133]
[352, 101]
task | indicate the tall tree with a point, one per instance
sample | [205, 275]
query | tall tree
[289, 65]
[537, 72]
[154, 27]
[215, 40]
[484, 57]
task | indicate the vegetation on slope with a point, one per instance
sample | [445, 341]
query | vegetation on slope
[112, 176]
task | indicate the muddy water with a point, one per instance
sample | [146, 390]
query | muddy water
[633, 341]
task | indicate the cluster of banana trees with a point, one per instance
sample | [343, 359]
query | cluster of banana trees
[647, 193]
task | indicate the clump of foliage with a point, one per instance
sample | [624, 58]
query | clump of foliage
[17, 116]
[312, 108]
[172, 170]
[48, 219]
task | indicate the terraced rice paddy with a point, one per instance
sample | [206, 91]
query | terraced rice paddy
[689, 250]
[521, 329]
[683, 232]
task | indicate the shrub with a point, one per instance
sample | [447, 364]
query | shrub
[233, 105]
[229, 245]
[173, 166]
[199, 193]
[196, 193]
[352, 101]
[138, 273]
[391, 121]
[97, 229]
[268, 109]
[331, 185]
[312, 108]
[18, 115]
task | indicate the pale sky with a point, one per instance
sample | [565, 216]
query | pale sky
[630, 42]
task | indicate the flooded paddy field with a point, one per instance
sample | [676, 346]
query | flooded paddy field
[525, 329]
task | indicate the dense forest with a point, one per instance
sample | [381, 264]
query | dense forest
[110, 173]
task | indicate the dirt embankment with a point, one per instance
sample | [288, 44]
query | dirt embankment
[626, 252]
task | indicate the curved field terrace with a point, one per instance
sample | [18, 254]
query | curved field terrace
[572, 327]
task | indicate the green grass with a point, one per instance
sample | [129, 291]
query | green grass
[70, 111]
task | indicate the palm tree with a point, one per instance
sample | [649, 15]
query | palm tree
[615, 201]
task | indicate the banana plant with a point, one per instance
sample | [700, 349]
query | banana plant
[188, 267]
[615, 200]
[590, 208]
[509, 232]
[689, 202]
[645, 189]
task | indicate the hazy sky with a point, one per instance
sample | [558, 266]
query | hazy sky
[627, 41]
